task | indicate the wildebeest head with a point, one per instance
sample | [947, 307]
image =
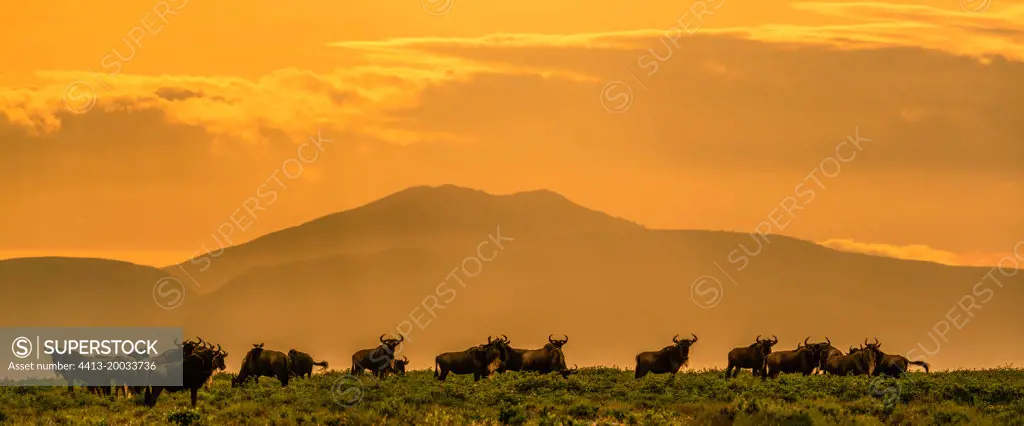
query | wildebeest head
[399, 365]
[558, 343]
[854, 349]
[683, 345]
[765, 345]
[874, 348]
[391, 344]
[218, 358]
[493, 354]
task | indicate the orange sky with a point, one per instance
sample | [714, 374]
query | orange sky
[211, 99]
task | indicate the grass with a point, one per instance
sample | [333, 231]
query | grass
[594, 395]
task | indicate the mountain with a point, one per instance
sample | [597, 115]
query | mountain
[420, 216]
[82, 292]
[616, 294]
[333, 285]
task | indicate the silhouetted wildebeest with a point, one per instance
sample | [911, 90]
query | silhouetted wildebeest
[398, 366]
[480, 361]
[263, 362]
[302, 363]
[548, 359]
[194, 370]
[823, 351]
[379, 359]
[667, 360]
[802, 360]
[752, 357]
[857, 362]
[96, 380]
[893, 365]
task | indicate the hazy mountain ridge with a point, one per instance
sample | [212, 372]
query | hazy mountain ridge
[330, 286]
[59, 291]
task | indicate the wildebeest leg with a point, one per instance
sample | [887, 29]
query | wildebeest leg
[152, 394]
[195, 395]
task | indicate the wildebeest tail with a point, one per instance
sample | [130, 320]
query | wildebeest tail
[321, 364]
[436, 374]
[921, 364]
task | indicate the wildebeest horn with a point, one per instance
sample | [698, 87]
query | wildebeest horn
[694, 338]
[405, 358]
[805, 340]
[877, 343]
[505, 338]
[218, 348]
[401, 338]
[675, 339]
[381, 338]
[775, 339]
[550, 338]
[828, 341]
[758, 338]
[865, 341]
[488, 340]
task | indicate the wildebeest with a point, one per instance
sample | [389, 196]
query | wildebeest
[379, 359]
[96, 380]
[480, 361]
[857, 362]
[548, 359]
[752, 357]
[823, 351]
[302, 363]
[194, 370]
[263, 362]
[892, 365]
[398, 366]
[802, 360]
[667, 360]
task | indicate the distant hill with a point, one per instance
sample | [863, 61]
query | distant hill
[61, 291]
[420, 216]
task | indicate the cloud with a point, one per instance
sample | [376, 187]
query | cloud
[719, 131]
[923, 253]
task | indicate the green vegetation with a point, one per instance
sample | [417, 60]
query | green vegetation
[594, 395]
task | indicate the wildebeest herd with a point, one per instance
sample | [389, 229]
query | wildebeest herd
[201, 359]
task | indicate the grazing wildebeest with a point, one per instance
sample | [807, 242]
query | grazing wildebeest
[263, 362]
[378, 360]
[857, 362]
[302, 363]
[398, 366]
[548, 359]
[480, 361]
[752, 357]
[194, 370]
[893, 365]
[667, 360]
[802, 360]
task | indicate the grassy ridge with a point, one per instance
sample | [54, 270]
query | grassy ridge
[601, 395]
